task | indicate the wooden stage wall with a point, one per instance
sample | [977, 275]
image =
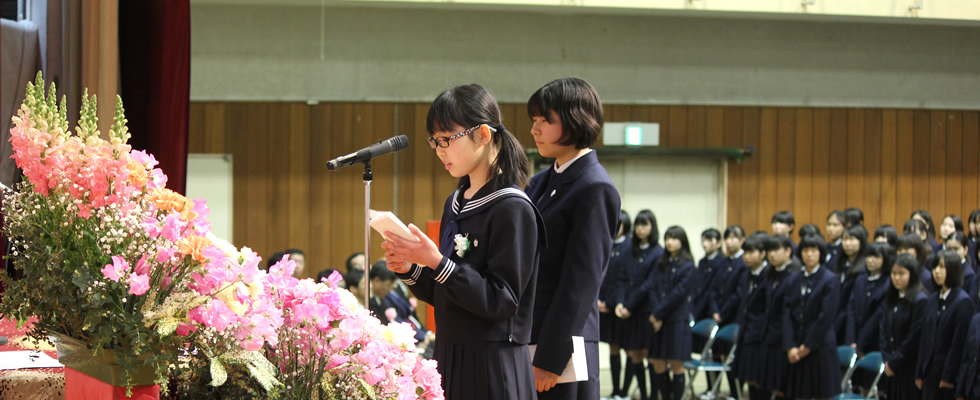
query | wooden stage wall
[888, 162]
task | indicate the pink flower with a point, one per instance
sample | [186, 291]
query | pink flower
[142, 267]
[165, 254]
[185, 328]
[172, 227]
[117, 269]
[337, 360]
[138, 284]
[391, 313]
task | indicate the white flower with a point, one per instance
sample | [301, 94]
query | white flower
[462, 244]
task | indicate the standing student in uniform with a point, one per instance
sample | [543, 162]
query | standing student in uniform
[610, 327]
[926, 218]
[811, 302]
[749, 364]
[974, 225]
[782, 266]
[481, 277]
[950, 224]
[580, 206]
[783, 223]
[726, 286]
[835, 232]
[901, 324]
[912, 243]
[853, 216]
[704, 303]
[944, 330]
[670, 314]
[851, 264]
[968, 386]
[632, 304]
[958, 243]
[865, 310]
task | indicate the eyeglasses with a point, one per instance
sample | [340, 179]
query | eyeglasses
[444, 141]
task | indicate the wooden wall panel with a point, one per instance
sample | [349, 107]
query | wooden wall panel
[888, 162]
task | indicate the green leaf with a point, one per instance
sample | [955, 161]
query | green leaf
[265, 376]
[218, 373]
[368, 390]
[167, 326]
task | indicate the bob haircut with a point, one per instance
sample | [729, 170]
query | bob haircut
[888, 232]
[892, 297]
[954, 268]
[912, 241]
[645, 217]
[711, 234]
[578, 107]
[735, 231]
[817, 242]
[676, 232]
[887, 254]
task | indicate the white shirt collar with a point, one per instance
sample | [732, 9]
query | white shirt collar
[621, 239]
[838, 242]
[758, 271]
[944, 293]
[739, 254]
[713, 255]
[808, 273]
[569, 163]
[874, 277]
[645, 246]
[783, 267]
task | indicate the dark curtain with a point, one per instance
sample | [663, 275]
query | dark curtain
[155, 69]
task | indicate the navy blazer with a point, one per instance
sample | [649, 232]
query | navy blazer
[776, 288]
[609, 290]
[726, 289]
[834, 250]
[944, 330]
[901, 327]
[810, 309]
[669, 288]
[580, 208]
[636, 271]
[751, 316]
[864, 311]
[970, 280]
[968, 383]
[703, 293]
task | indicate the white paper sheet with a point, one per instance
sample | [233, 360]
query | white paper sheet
[27, 359]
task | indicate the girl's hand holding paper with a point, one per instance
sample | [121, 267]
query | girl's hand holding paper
[401, 253]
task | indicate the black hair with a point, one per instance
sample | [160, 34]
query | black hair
[917, 226]
[711, 234]
[911, 240]
[809, 229]
[760, 234]
[892, 297]
[841, 217]
[627, 225]
[815, 242]
[352, 279]
[975, 219]
[578, 107]
[853, 216]
[959, 236]
[645, 217]
[785, 217]
[888, 232]
[381, 271]
[957, 223]
[350, 260]
[736, 231]
[778, 242]
[273, 259]
[930, 227]
[856, 267]
[473, 105]
[887, 254]
[755, 244]
[954, 268]
[295, 251]
[320, 276]
[676, 232]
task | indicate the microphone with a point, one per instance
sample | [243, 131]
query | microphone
[392, 145]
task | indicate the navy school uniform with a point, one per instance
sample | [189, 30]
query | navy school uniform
[944, 329]
[610, 326]
[703, 302]
[968, 386]
[751, 319]
[811, 305]
[936, 246]
[580, 207]
[846, 287]
[484, 297]
[865, 312]
[901, 326]
[776, 364]
[726, 293]
[834, 250]
[970, 279]
[972, 251]
[636, 271]
[669, 291]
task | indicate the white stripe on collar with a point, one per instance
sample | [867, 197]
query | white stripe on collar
[473, 205]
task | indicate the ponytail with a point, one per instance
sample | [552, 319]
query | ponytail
[511, 166]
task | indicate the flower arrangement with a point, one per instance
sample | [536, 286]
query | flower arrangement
[114, 259]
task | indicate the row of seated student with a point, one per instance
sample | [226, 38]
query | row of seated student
[907, 296]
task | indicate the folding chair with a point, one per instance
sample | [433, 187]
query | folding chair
[848, 359]
[873, 363]
[707, 328]
[728, 333]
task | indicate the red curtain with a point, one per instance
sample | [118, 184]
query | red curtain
[155, 69]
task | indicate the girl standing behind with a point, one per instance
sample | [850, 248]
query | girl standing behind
[911, 243]
[481, 277]
[782, 266]
[901, 323]
[670, 299]
[865, 303]
[835, 232]
[633, 306]
[849, 266]
[930, 239]
[944, 330]
[958, 243]
[751, 318]
[812, 299]
[974, 224]
[610, 326]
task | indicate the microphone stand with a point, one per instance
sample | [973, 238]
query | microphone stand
[368, 177]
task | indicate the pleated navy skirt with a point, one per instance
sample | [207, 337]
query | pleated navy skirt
[816, 376]
[673, 342]
[485, 371]
[637, 332]
[901, 386]
[610, 328]
[750, 362]
[777, 363]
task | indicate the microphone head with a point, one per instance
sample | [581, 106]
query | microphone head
[399, 142]
[332, 165]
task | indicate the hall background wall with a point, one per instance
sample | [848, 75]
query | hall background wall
[886, 161]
